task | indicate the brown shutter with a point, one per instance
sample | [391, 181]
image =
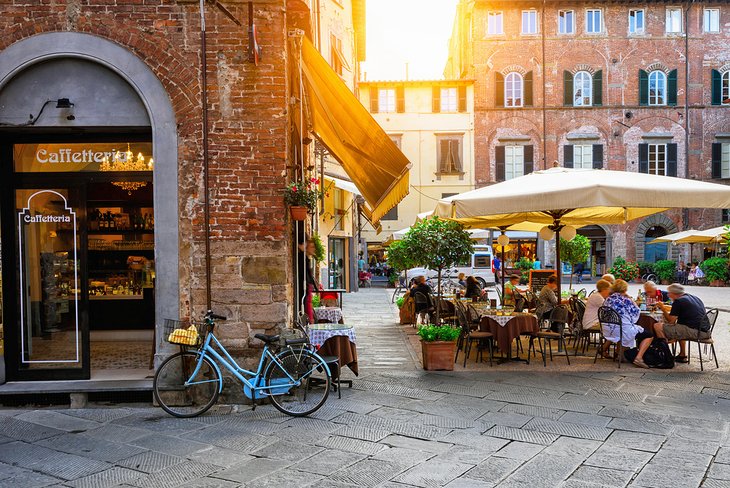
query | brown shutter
[462, 99]
[529, 154]
[400, 99]
[374, 100]
[436, 99]
[527, 90]
[444, 156]
[499, 91]
[597, 156]
[499, 163]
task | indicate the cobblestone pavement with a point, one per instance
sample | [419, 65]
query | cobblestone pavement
[400, 426]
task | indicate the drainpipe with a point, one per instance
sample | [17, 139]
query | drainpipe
[206, 183]
[544, 90]
[685, 212]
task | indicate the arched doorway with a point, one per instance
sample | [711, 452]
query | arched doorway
[657, 251]
[598, 260]
[93, 243]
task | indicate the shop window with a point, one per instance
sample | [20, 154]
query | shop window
[636, 21]
[566, 22]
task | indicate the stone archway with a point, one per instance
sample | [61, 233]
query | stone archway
[658, 220]
[75, 45]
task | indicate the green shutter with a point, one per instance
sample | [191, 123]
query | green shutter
[529, 154]
[499, 90]
[716, 87]
[672, 88]
[598, 88]
[597, 156]
[717, 160]
[527, 87]
[499, 163]
[671, 159]
[567, 88]
[643, 88]
[643, 158]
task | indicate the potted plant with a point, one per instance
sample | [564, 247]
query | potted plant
[665, 271]
[438, 346]
[716, 271]
[575, 251]
[434, 243]
[302, 196]
[625, 270]
[524, 265]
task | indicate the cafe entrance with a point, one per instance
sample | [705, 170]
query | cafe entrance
[78, 256]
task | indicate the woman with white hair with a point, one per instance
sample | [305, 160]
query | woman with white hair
[609, 277]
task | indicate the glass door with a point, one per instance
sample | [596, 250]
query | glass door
[52, 340]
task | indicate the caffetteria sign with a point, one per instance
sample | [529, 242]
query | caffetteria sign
[55, 158]
[59, 219]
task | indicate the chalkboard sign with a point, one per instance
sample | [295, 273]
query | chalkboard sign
[539, 278]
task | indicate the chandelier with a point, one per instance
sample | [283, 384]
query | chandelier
[125, 161]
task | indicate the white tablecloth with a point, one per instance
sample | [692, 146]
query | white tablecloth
[330, 314]
[500, 319]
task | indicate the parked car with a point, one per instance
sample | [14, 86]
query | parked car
[479, 266]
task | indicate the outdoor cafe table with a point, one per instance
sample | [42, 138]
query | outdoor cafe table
[648, 319]
[507, 328]
[336, 340]
[332, 315]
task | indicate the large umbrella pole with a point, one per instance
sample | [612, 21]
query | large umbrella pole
[501, 270]
[558, 264]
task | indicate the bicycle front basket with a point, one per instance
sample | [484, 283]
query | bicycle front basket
[183, 333]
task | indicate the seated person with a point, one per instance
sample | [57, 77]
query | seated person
[609, 277]
[686, 319]
[462, 279]
[620, 301]
[653, 294]
[547, 300]
[537, 264]
[594, 302]
[473, 290]
[420, 286]
[511, 291]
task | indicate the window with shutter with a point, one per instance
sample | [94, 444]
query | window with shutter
[514, 162]
[721, 160]
[715, 87]
[643, 158]
[671, 160]
[400, 99]
[657, 159]
[450, 156]
[726, 88]
[643, 88]
[597, 156]
[583, 156]
[582, 89]
[657, 88]
[435, 99]
[374, 100]
[529, 158]
[386, 100]
[499, 163]
[527, 98]
[513, 90]
[449, 99]
[672, 88]
[462, 99]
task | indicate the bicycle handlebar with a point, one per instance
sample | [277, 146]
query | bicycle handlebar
[210, 315]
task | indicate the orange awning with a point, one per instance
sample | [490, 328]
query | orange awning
[351, 135]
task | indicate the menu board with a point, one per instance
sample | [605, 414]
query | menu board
[539, 278]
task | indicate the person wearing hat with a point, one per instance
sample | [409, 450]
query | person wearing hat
[510, 290]
[686, 319]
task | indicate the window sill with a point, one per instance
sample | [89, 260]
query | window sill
[454, 173]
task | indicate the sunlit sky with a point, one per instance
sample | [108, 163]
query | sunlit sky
[408, 31]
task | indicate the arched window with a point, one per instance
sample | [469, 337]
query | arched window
[726, 88]
[582, 89]
[657, 88]
[513, 92]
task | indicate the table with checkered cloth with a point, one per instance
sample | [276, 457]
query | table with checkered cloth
[335, 340]
[502, 319]
[331, 315]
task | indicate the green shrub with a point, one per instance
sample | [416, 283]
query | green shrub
[716, 269]
[431, 333]
[624, 270]
[524, 264]
[665, 270]
[646, 267]
[316, 302]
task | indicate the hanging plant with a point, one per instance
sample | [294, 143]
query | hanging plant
[303, 193]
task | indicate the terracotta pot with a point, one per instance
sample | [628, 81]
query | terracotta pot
[717, 283]
[438, 355]
[298, 212]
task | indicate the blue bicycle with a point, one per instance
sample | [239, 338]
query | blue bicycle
[188, 383]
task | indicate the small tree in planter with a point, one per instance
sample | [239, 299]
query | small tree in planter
[524, 265]
[399, 258]
[436, 244]
[716, 271]
[665, 270]
[438, 345]
[574, 251]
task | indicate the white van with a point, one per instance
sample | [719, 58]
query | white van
[479, 266]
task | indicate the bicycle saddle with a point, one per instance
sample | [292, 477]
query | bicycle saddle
[267, 338]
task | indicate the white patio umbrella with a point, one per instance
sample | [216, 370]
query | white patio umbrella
[675, 237]
[563, 199]
[692, 237]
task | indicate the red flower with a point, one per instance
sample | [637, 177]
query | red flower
[293, 188]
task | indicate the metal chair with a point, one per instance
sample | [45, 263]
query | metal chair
[423, 305]
[712, 318]
[609, 317]
[468, 336]
[582, 293]
[560, 315]
[333, 362]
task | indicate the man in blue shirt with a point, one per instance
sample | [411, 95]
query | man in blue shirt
[686, 319]
[496, 264]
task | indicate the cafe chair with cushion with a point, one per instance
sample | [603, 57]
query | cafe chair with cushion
[712, 317]
[559, 316]
[333, 362]
[609, 317]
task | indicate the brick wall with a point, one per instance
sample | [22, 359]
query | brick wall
[619, 56]
[248, 140]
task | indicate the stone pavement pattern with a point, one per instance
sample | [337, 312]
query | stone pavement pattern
[397, 427]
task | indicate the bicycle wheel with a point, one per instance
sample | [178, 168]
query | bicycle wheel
[306, 369]
[186, 400]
